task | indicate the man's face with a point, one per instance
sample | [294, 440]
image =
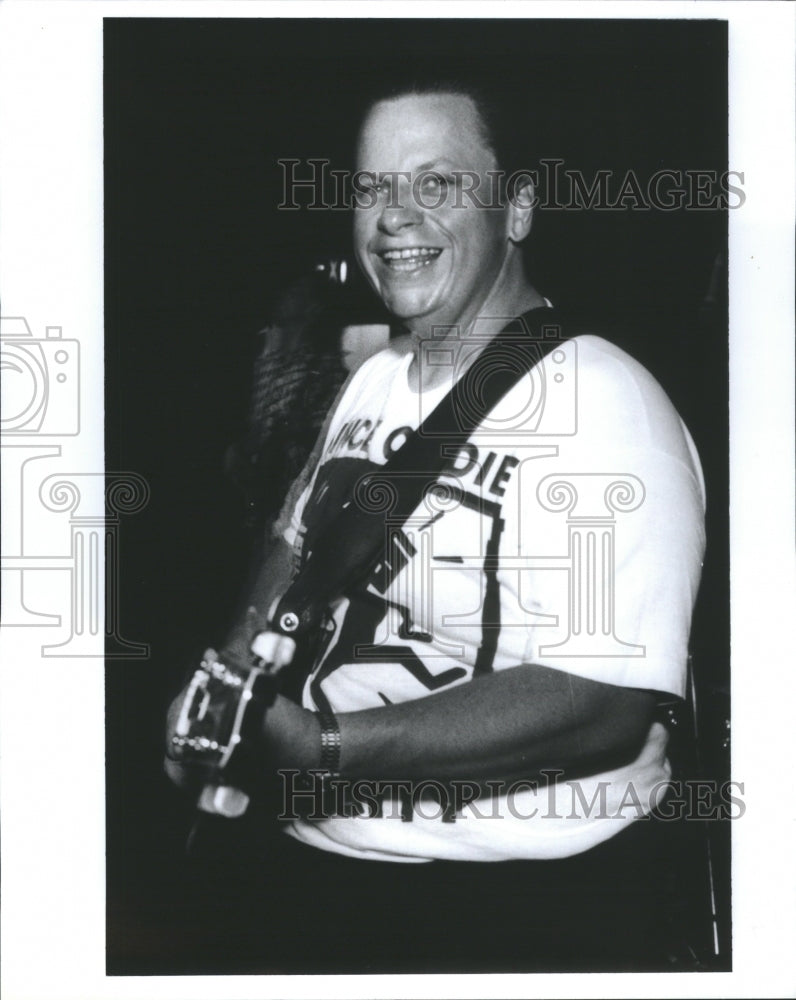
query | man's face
[432, 266]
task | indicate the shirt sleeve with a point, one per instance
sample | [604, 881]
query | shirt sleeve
[613, 532]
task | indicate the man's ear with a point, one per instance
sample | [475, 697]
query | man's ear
[522, 201]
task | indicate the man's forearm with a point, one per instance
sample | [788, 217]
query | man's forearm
[271, 581]
[515, 722]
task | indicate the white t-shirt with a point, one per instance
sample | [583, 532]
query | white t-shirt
[569, 533]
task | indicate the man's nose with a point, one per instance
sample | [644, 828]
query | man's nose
[399, 212]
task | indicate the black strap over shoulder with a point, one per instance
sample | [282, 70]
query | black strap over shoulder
[354, 539]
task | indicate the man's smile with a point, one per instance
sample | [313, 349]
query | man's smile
[408, 259]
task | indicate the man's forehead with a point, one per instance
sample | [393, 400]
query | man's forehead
[433, 126]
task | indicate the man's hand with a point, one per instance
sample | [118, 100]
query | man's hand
[205, 723]
[272, 580]
[216, 708]
[185, 776]
[288, 737]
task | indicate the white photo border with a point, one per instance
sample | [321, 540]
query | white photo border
[51, 728]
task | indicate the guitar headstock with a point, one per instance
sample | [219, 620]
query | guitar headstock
[220, 703]
[208, 726]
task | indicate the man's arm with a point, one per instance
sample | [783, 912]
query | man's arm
[271, 581]
[515, 722]
[275, 574]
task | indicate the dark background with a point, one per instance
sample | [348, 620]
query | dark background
[196, 114]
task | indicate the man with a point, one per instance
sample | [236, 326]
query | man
[514, 641]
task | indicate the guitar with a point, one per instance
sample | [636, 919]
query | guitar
[220, 717]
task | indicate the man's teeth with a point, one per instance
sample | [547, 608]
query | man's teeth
[411, 258]
[410, 252]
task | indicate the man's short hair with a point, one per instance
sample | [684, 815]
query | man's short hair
[507, 138]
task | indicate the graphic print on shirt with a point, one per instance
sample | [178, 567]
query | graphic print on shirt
[385, 620]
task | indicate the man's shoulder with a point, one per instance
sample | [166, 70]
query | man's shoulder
[620, 401]
[595, 392]
[604, 367]
[602, 356]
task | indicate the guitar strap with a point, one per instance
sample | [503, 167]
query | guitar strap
[354, 538]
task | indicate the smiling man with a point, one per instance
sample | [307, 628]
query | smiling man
[431, 252]
[487, 692]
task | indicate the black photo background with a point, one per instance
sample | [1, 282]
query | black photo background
[197, 113]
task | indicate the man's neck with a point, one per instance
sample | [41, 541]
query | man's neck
[442, 360]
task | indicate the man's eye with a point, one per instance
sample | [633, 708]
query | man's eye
[434, 184]
[372, 182]
[368, 192]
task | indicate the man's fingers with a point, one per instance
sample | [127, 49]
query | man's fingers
[274, 649]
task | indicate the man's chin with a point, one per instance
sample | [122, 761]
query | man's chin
[414, 313]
